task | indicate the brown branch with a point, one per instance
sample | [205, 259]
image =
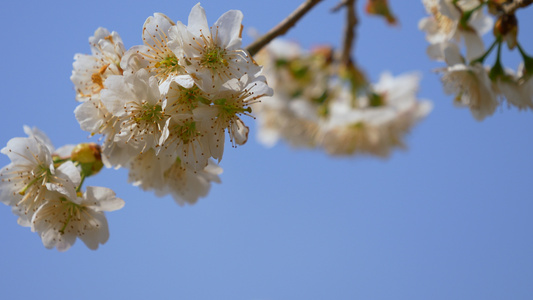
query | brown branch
[349, 31]
[282, 27]
[511, 7]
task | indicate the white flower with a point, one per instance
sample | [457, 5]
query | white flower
[138, 105]
[295, 73]
[297, 123]
[472, 87]
[186, 185]
[510, 87]
[525, 83]
[63, 219]
[150, 172]
[155, 55]
[213, 55]
[301, 81]
[91, 71]
[89, 76]
[186, 139]
[40, 136]
[94, 117]
[443, 26]
[146, 170]
[470, 84]
[233, 99]
[31, 173]
[374, 125]
[526, 90]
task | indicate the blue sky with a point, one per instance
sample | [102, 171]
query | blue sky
[448, 218]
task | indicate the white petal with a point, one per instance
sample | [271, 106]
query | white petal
[88, 115]
[132, 61]
[68, 179]
[27, 151]
[39, 135]
[197, 23]
[481, 22]
[64, 151]
[227, 29]
[452, 54]
[435, 52]
[474, 45]
[185, 81]
[105, 199]
[240, 132]
[216, 144]
[66, 241]
[50, 238]
[100, 235]
[116, 93]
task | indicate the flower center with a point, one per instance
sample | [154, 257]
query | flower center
[231, 108]
[167, 66]
[71, 210]
[149, 113]
[41, 175]
[214, 58]
[187, 131]
[185, 100]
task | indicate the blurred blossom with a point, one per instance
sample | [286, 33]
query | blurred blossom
[313, 107]
[481, 88]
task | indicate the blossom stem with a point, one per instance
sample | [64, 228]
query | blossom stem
[60, 160]
[282, 27]
[83, 176]
[482, 57]
[497, 69]
[528, 60]
[466, 15]
[522, 52]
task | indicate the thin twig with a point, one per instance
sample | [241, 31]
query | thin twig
[511, 7]
[349, 31]
[282, 27]
[339, 6]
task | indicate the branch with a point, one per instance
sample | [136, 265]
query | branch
[511, 7]
[349, 31]
[282, 27]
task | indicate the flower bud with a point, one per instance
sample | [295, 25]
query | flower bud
[89, 156]
[494, 6]
[506, 27]
[381, 8]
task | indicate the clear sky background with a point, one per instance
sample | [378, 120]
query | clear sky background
[448, 218]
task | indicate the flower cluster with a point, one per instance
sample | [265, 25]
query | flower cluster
[163, 107]
[315, 107]
[452, 24]
[43, 186]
